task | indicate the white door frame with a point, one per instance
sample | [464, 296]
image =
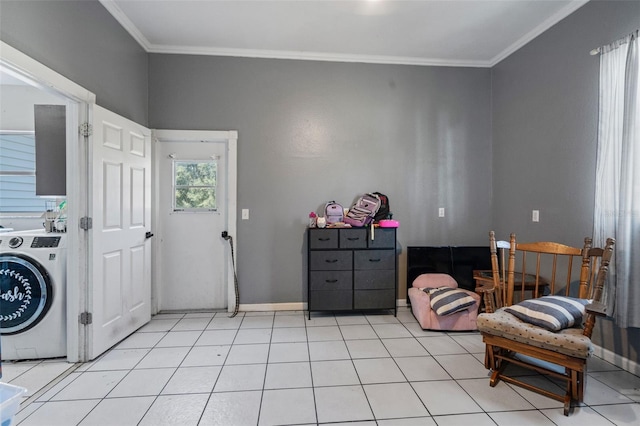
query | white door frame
[78, 98]
[230, 139]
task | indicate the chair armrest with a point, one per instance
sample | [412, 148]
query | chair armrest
[596, 308]
[489, 298]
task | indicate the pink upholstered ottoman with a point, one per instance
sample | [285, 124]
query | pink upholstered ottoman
[428, 318]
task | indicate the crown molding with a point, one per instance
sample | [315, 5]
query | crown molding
[544, 26]
[129, 26]
[126, 23]
[314, 56]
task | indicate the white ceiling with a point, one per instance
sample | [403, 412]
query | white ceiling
[477, 33]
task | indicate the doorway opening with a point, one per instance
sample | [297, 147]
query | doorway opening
[19, 67]
[195, 192]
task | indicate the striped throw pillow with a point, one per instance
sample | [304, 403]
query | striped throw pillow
[447, 300]
[553, 313]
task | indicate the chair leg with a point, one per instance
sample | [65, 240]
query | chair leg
[495, 378]
[567, 405]
[488, 357]
[573, 378]
[578, 383]
[582, 377]
[575, 389]
[498, 366]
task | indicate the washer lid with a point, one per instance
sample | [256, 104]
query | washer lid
[25, 293]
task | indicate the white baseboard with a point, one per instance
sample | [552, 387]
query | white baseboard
[401, 302]
[617, 360]
[269, 307]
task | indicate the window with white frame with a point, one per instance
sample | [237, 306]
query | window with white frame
[194, 185]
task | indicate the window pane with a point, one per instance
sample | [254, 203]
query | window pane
[195, 198]
[194, 185]
[195, 173]
[18, 194]
[17, 152]
[17, 174]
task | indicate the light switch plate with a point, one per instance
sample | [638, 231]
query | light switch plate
[535, 216]
[245, 214]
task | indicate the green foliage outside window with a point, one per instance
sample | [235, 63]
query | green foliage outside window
[195, 185]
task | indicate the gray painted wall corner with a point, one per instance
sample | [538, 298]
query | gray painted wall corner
[545, 117]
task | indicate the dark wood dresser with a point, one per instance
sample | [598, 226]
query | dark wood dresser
[352, 269]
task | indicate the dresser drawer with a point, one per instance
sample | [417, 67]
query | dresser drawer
[330, 261]
[353, 238]
[330, 280]
[374, 299]
[374, 279]
[382, 238]
[332, 300]
[323, 238]
[374, 259]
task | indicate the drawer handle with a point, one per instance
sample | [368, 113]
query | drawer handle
[375, 260]
[353, 238]
[331, 260]
[324, 239]
[330, 281]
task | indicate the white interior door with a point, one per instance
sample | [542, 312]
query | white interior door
[120, 266]
[192, 257]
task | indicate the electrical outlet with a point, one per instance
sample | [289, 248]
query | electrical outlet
[441, 212]
[245, 214]
[535, 216]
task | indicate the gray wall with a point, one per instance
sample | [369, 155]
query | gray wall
[83, 42]
[545, 117]
[310, 132]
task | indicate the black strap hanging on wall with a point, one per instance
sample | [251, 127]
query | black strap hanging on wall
[229, 238]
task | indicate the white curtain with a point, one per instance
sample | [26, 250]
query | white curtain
[617, 201]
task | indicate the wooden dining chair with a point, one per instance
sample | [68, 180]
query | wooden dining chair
[555, 329]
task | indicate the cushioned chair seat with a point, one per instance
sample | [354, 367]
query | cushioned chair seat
[569, 341]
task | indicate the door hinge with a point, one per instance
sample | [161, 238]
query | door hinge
[86, 318]
[86, 223]
[86, 130]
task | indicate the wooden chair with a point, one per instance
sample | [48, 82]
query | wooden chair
[498, 295]
[511, 340]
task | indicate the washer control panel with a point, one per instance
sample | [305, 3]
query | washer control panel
[26, 241]
[45, 242]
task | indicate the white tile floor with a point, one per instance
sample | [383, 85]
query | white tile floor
[282, 369]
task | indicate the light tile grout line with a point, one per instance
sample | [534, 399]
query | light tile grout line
[24, 404]
[130, 370]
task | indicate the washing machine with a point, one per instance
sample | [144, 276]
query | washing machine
[33, 295]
